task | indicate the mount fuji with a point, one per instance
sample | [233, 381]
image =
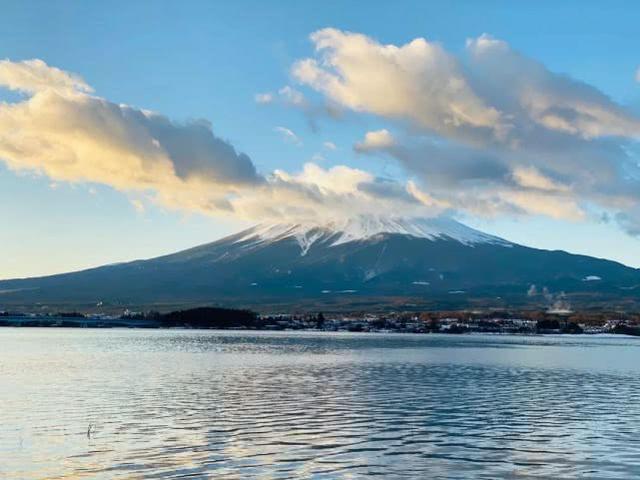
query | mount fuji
[360, 263]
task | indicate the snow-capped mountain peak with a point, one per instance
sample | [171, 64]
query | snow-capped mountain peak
[364, 228]
[382, 261]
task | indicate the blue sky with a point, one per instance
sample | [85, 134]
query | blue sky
[209, 60]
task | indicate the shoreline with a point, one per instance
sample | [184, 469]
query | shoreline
[452, 322]
[120, 326]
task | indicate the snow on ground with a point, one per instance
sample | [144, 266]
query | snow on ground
[591, 278]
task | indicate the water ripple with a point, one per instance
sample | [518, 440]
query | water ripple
[158, 404]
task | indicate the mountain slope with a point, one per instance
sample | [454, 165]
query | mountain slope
[431, 260]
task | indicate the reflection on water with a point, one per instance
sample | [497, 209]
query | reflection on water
[226, 405]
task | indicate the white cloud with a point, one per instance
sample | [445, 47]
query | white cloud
[61, 131]
[537, 203]
[293, 97]
[263, 98]
[489, 131]
[329, 145]
[288, 135]
[528, 92]
[530, 177]
[71, 136]
[317, 193]
[286, 95]
[36, 76]
[418, 81]
[376, 140]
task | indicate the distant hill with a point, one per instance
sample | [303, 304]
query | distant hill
[364, 263]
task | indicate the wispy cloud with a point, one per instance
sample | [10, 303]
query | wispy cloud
[288, 135]
[263, 98]
[290, 97]
[138, 205]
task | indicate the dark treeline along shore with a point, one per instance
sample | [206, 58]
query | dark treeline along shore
[202, 317]
[457, 322]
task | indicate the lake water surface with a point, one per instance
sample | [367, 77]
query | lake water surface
[81, 403]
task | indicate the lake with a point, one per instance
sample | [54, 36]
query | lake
[117, 403]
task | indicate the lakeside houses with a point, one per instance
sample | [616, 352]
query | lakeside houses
[392, 322]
